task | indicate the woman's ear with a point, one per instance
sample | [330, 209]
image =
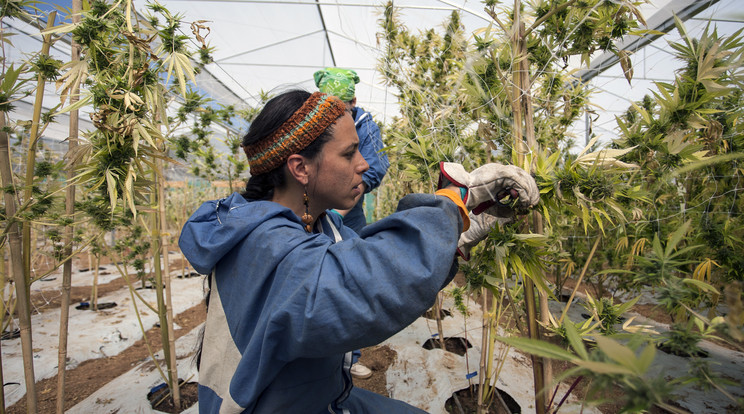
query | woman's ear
[298, 167]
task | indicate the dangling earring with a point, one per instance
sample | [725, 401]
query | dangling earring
[307, 218]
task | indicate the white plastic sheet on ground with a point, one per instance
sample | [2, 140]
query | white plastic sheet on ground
[425, 378]
[91, 334]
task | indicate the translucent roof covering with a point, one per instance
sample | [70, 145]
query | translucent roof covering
[268, 46]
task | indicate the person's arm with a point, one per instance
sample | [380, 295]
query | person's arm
[358, 292]
[370, 145]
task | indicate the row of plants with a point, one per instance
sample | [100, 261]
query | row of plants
[655, 212]
[133, 74]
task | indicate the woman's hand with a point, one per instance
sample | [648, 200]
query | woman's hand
[506, 186]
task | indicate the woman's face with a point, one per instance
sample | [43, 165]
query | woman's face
[337, 182]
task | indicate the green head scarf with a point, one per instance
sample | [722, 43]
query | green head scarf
[337, 82]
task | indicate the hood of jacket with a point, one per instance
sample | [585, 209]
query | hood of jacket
[219, 225]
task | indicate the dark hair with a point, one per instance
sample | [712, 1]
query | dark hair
[275, 113]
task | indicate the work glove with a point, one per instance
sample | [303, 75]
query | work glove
[480, 226]
[506, 187]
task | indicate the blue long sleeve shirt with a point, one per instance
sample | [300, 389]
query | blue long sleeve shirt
[287, 307]
[370, 145]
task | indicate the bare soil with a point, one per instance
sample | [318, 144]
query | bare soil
[465, 401]
[378, 359]
[162, 401]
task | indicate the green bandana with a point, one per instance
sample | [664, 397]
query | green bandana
[337, 82]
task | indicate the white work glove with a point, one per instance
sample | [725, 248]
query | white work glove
[480, 226]
[506, 186]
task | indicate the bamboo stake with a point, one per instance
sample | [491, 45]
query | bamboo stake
[529, 134]
[522, 121]
[21, 245]
[581, 277]
[438, 316]
[485, 333]
[31, 152]
[543, 297]
[94, 289]
[16, 267]
[158, 276]
[172, 366]
[2, 312]
[64, 315]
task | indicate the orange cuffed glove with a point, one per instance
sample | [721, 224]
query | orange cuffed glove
[454, 196]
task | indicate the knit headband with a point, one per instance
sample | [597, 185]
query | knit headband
[318, 112]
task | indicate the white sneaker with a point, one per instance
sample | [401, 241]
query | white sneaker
[360, 371]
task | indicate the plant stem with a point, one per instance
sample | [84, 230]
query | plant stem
[578, 282]
[172, 365]
[438, 316]
[159, 294]
[482, 374]
[568, 392]
[457, 403]
[16, 266]
[64, 314]
[31, 151]
[94, 293]
[132, 294]
[2, 312]
[523, 114]
[537, 221]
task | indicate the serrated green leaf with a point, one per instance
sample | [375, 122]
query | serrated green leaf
[574, 339]
[111, 187]
[617, 352]
[604, 368]
[627, 305]
[701, 285]
[646, 358]
[539, 348]
[656, 247]
[77, 105]
[676, 237]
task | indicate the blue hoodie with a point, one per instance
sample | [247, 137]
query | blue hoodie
[286, 306]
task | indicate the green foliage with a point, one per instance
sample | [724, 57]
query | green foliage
[665, 197]
[580, 28]
[609, 364]
[458, 294]
[607, 313]
[436, 122]
[583, 329]
[124, 60]
[96, 208]
[682, 340]
[46, 67]
[134, 249]
[17, 9]
[11, 85]
[686, 139]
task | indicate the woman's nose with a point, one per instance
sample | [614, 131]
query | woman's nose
[363, 166]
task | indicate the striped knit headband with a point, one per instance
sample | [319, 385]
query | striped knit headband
[318, 112]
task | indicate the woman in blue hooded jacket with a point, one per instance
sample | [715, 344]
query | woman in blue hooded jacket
[293, 291]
